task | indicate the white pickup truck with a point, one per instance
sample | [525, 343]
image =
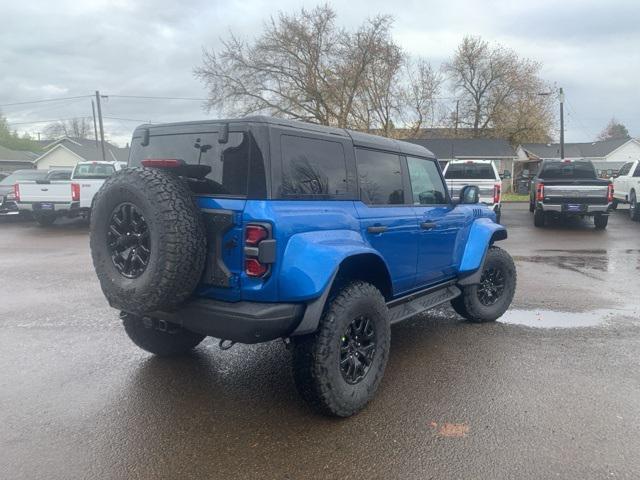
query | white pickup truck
[482, 173]
[49, 200]
[626, 188]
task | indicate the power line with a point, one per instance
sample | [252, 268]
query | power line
[147, 97]
[127, 119]
[575, 117]
[46, 121]
[44, 100]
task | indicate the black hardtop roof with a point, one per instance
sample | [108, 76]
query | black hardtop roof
[359, 139]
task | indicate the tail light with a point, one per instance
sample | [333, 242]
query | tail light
[162, 163]
[496, 193]
[540, 192]
[16, 192]
[75, 192]
[259, 250]
[610, 193]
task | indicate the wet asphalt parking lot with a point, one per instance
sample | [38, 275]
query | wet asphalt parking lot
[551, 391]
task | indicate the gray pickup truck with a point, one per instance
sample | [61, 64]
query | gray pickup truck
[570, 188]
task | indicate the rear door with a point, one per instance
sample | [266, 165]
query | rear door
[387, 218]
[438, 221]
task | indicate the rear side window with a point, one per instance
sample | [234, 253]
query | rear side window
[426, 182]
[312, 168]
[625, 169]
[637, 172]
[569, 170]
[93, 171]
[472, 171]
[236, 167]
[379, 177]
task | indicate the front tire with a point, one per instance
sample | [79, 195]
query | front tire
[488, 300]
[601, 221]
[44, 219]
[161, 339]
[338, 369]
[539, 218]
[634, 209]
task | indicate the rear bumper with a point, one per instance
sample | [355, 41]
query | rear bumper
[8, 207]
[243, 322]
[61, 208]
[590, 209]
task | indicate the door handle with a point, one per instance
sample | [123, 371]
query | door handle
[427, 225]
[376, 229]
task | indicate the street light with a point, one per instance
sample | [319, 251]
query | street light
[561, 98]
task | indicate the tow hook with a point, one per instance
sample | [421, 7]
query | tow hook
[226, 344]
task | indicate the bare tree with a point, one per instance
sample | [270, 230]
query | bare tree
[423, 83]
[497, 89]
[613, 130]
[75, 128]
[303, 66]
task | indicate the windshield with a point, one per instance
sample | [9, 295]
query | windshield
[94, 171]
[23, 176]
[236, 166]
[567, 170]
[470, 171]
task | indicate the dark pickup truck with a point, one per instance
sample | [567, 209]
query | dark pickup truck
[565, 188]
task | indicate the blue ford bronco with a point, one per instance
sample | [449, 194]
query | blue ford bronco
[259, 228]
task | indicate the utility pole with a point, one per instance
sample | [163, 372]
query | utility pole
[101, 126]
[561, 97]
[95, 125]
[457, 113]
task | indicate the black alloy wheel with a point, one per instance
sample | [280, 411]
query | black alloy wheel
[491, 286]
[128, 240]
[357, 349]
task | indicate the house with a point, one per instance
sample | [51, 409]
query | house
[66, 152]
[496, 149]
[607, 155]
[11, 160]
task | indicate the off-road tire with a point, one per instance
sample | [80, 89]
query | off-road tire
[601, 221]
[44, 219]
[634, 208]
[176, 240]
[161, 339]
[539, 218]
[316, 357]
[468, 304]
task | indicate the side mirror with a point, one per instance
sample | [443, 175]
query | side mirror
[469, 194]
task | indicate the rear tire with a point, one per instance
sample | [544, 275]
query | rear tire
[532, 206]
[488, 300]
[161, 339]
[601, 221]
[634, 209]
[44, 219]
[614, 205]
[498, 216]
[338, 370]
[539, 218]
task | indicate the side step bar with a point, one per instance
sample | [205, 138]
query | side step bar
[415, 303]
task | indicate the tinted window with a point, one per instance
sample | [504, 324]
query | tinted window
[379, 177]
[312, 167]
[23, 175]
[234, 167]
[566, 169]
[625, 169]
[426, 182]
[637, 172]
[473, 171]
[93, 171]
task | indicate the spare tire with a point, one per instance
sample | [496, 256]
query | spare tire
[147, 240]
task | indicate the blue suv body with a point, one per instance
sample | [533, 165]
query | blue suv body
[294, 213]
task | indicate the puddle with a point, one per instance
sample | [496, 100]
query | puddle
[553, 319]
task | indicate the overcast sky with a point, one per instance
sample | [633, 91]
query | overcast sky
[127, 47]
